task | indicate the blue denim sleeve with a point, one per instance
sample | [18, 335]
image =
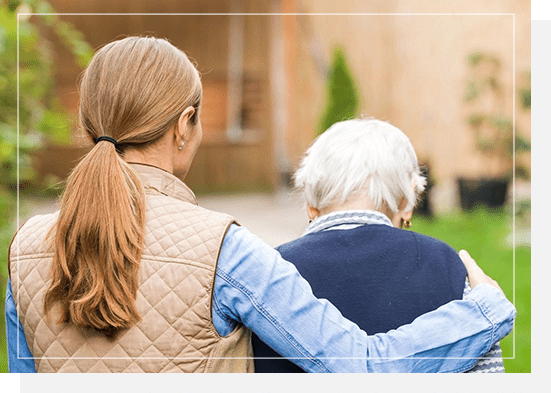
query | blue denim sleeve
[255, 287]
[492, 361]
[22, 362]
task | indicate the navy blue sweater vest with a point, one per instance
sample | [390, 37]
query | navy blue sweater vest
[378, 276]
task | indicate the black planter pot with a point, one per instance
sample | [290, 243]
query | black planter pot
[490, 192]
[424, 208]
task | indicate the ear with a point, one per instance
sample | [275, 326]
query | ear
[181, 130]
[402, 215]
[407, 216]
[313, 212]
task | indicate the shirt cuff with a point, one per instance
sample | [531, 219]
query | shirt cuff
[496, 308]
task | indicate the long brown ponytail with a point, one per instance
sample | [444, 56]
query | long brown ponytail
[133, 90]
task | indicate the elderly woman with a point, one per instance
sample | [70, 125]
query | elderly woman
[361, 182]
[131, 275]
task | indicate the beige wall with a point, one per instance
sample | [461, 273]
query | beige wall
[412, 71]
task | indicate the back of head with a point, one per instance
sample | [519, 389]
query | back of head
[361, 156]
[133, 91]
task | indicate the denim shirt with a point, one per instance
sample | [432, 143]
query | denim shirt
[255, 287]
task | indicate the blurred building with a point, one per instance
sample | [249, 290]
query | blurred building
[409, 59]
[264, 76]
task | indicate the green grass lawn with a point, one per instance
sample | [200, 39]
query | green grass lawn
[481, 232]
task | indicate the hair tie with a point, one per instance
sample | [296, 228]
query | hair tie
[106, 138]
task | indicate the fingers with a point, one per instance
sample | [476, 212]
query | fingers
[473, 270]
[475, 273]
[468, 261]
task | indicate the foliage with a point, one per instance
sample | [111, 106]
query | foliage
[28, 72]
[342, 95]
[6, 233]
[494, 131]
[525, 92]
[30, 112]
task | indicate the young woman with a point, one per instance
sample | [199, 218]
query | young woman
[131, 275]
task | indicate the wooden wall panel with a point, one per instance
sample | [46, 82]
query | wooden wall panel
[219, 165]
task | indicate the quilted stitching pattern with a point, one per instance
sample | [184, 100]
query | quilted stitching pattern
[176, 279]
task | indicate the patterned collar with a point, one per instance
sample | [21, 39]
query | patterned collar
[347, 219]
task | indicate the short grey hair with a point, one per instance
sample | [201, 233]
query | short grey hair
[365, 155]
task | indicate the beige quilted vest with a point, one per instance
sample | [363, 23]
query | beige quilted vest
[176, 333]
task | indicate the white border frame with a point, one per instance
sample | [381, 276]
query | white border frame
[284, 14]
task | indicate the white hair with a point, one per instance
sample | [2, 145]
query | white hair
[368, 155]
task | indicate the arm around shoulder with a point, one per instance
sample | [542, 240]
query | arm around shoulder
[256, 287]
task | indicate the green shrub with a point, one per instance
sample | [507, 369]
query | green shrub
[342, 95]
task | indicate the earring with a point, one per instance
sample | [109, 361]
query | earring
[309, 221]
[407, 224]
[181, 146]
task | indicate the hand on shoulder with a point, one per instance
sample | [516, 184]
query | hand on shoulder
[475, 273]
